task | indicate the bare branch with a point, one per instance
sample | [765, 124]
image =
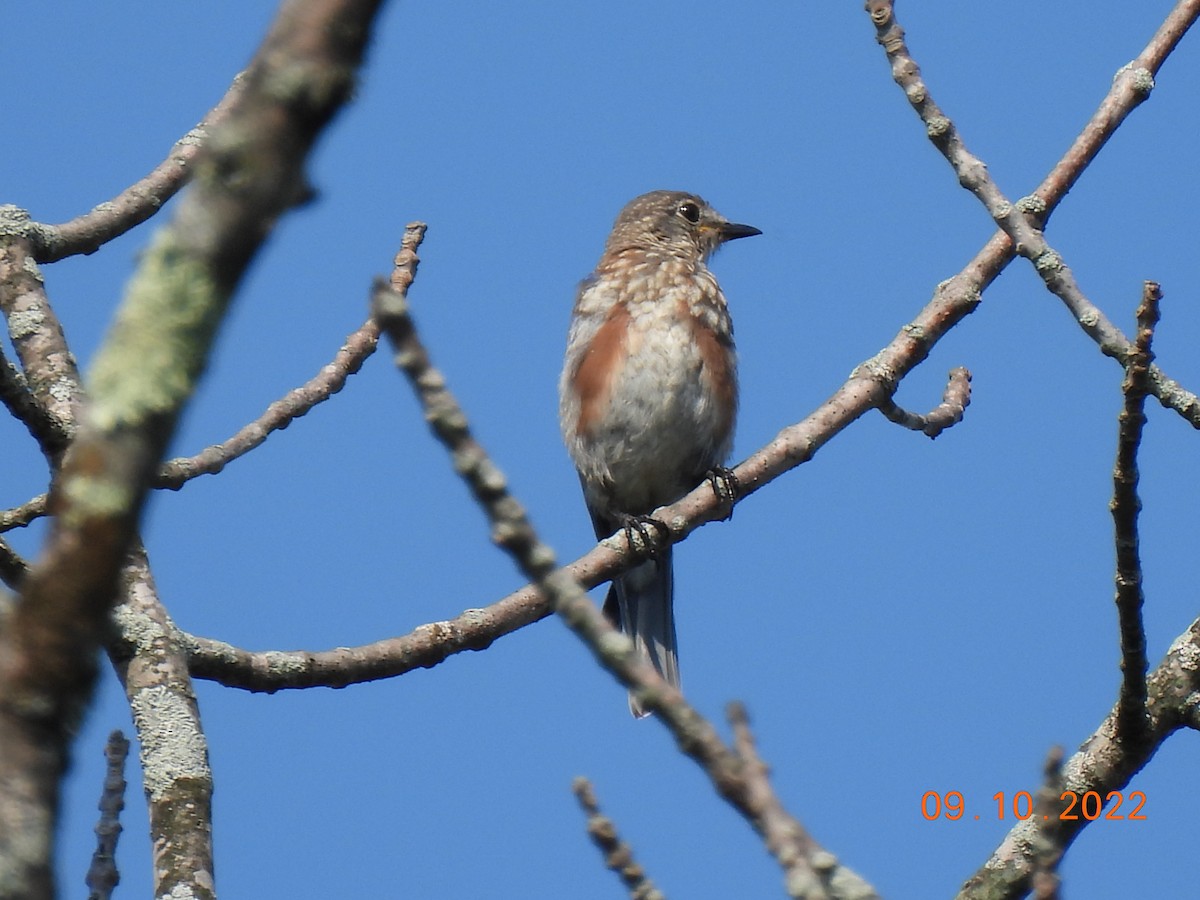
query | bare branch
[16, 396]
[279, 415]
[785, 837]
[249, 174]
[13, 567]
[618, 855]
[955, 399]
[51, 376]
[425, 647]
[1019, 223]
[20, 516]
[1125, 506]
[102, 875]
[137, 203]
[815, 876]
[175, 473]
[1048, 803]
[178, 780]
[1103, 763]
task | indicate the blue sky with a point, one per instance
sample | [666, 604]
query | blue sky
[899, 615]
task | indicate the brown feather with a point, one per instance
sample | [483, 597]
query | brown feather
[604, 357]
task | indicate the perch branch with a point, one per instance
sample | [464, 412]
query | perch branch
[807, 876]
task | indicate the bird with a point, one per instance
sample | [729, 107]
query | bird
[648, 395]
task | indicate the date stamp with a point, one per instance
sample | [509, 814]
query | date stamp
[1072, 806]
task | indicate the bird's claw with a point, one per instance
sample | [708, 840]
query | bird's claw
[647, 545]
[726, 487]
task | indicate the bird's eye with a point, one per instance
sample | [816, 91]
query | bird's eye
[690, 211]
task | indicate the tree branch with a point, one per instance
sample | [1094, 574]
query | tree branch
[1125, 506]
[1020, 222]
[143, 375]
[618, 855]
[138, 202]
[102, 875]
[20, 516]
[1048, 803]
[175, 473]
[16, 396]
[13, 567]
[955, 400]
[51, 376]
[279, 415]
[1103, 763]
[175, 769]
[816, 874]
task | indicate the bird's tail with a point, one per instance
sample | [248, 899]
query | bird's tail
[644, 610]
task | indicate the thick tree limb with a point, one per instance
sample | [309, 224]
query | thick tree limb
[174, 757]
[51, 377]
[249, 174]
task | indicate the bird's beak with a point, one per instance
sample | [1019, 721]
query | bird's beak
[731, 231]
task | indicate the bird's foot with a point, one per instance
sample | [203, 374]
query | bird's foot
[648, 546]
[726, 486]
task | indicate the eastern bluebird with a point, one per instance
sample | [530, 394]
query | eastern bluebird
[648, 392]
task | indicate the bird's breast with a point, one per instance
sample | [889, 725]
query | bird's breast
[657, 394]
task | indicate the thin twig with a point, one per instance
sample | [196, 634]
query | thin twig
[785, 837]
[955, 400]
[512, 531]
[20, 516]
[1125, 506]
[618, 855]
[102, 875]
[1020, 222]
[175, 473]
[13, 566]
[137, 203]
[1047, 804]
[297, 402]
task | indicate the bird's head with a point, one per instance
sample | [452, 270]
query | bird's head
[673, 222]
